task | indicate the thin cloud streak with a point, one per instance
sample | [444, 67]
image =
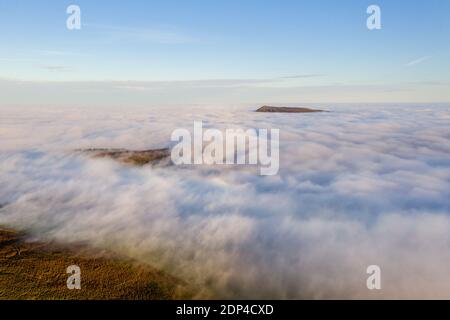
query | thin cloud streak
[143, 34]
[418, 61]
[55, 68]
[304, 76]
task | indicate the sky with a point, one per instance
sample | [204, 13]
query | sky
[231, 51]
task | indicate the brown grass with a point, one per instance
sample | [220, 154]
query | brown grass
[38, 271]
[129, 157]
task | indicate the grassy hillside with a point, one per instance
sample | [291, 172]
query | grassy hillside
[38, 271]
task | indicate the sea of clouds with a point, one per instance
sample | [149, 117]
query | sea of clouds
[360, 185]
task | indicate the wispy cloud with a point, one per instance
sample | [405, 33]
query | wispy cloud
[59, 53]
[55, 68]
[63, 91]
[417, 61]
[430, 83]
[302, 76]
[143, 34]
[17, 60]
[206, 83]
[42, 55]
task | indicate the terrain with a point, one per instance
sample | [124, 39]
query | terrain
[37, 270]
[130, 157]
[287, 110]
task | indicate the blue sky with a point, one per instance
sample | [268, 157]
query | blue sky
[262, 46]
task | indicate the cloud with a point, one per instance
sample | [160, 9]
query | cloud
[17, 59]
[60, 53]
[208, 92]
[55, 68]
[167, 36]
[195, 84]
[430, 83]
[417, 61]
[358, 186]
[304, 76]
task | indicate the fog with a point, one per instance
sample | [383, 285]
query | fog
[357, 186]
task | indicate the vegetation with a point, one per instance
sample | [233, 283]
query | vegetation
[134, 158]
[31, 270]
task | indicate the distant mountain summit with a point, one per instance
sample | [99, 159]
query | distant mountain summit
[287, 110]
